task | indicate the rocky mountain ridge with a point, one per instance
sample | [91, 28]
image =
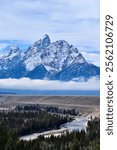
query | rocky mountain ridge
[45, 59]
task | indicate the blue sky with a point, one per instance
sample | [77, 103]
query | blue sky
[76, 21]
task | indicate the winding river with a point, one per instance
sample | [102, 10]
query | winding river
[79, 123]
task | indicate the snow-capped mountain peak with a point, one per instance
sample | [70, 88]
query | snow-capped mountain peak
[54, 56]
[13, 52]
[34, 54]
[43, 43]
[11, 58]
[44, 59]
[46, 40]
[14, 48]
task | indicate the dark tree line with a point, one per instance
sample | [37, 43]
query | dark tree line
[30, 122]
[76, 140]
[49, 109]
[28, 119]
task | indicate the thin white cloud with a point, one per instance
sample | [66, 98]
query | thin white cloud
[28, 84]
[93, 58]
[73, 20]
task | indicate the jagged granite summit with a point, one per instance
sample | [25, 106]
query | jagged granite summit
[45, 59]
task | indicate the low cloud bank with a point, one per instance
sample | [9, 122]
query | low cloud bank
[28, 84]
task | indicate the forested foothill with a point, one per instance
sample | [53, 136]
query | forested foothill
[30, 119]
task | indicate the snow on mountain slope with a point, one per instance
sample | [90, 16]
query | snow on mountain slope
[54, 56]
[45, 59]
[34, 53]
[11, 58]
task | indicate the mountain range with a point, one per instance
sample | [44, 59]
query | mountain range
[47, 60]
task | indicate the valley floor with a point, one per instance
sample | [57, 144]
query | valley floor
[86, 105]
